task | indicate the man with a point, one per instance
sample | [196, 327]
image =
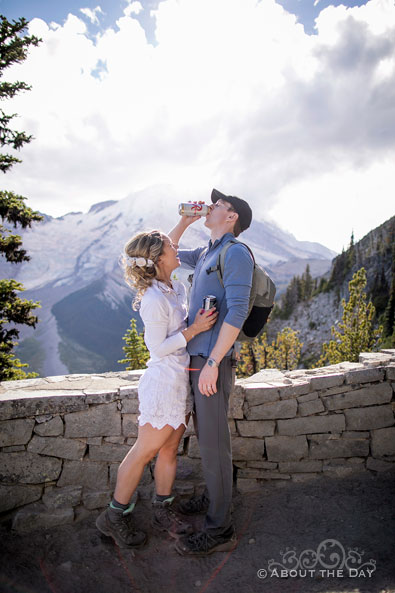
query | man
[211, 364]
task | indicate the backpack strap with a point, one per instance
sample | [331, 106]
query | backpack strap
[221, 259]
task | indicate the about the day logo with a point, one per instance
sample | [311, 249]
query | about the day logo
[330, 559]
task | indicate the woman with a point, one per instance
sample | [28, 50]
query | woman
[165, 401]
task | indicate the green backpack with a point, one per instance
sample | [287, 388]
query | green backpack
[261, 296]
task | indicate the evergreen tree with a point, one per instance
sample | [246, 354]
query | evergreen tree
[284, 352]
[136, 352]
[389, 314]
[307, 284]
[14, 45]
[355, 333]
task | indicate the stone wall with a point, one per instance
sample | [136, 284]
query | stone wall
[62, 438]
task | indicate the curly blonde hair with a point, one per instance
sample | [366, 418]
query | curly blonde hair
[148, 245]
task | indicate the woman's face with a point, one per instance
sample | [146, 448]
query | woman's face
[168, 261]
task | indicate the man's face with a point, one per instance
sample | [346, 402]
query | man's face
[218, 214]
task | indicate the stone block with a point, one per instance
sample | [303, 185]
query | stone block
[94, 441]
[113, 440]
[101, 420]
[193, 448]
[15, 432]
[340, 468]
[236, 402]
[312, 407]
[189, 469]
[338, 448]
[108, 452]
[369, 418]
[303, 466]
[12, 497]
[232, 426]
[51, 428]
[130, 425]
[365, 376]
[308, 397]
[96, 500]
[390, 372]
[260, 393]
[248, 449]
[240, 463]
[130, 406]
[255, 428]
[69, 496]
[262, 464]
[37, 403]
[280, 409]
[304, 477]
[57, 447]
[326, 380]
[100, 396]
[14, 448]
[129, 392]
[260, 474]
[375, 359]
[89, 474]
[378, 393]
[286, 448]
[296, 389]
[37, 516]
[334, 390]
[383, 442]
[379, 465]
[113, 474]
[28, 468]
[311, 424]
[356, 434]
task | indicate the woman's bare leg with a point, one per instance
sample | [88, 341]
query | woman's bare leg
[166, 462]
[149, 442]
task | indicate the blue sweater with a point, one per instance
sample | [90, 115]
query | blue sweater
[232, 300]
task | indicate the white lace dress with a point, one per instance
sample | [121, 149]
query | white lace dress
[164, 389]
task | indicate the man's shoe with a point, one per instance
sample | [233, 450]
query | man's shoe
[202, 543]
[194, 506]
[165, 519]
[115, 524]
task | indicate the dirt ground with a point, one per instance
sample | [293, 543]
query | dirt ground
[356, 512]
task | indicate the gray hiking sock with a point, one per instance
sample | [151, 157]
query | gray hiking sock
[118, 506]
[163, 497]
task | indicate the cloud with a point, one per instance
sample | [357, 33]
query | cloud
[234, 95]
[133, 8]
[92, 14]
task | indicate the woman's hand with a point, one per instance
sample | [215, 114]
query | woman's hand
[205, 320]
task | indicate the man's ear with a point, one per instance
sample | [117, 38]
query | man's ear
[233, 216]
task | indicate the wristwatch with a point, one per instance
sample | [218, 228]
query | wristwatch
[212, 363]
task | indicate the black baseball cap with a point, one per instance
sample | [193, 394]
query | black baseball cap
[240, 206]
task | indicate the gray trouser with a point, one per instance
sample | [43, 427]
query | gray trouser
[212, 429]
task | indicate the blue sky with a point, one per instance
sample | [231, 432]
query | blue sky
[56, 10]
[289, 104]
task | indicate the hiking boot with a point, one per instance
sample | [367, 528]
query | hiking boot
[202, 543]
[115, 524]
[165, 519]
[196, 505]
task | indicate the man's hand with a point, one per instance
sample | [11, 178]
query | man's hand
[208, 380]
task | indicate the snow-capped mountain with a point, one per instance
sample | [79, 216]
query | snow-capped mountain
[74, 271]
